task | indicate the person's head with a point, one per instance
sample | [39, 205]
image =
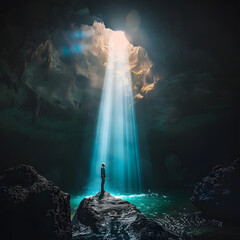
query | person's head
[103, 164]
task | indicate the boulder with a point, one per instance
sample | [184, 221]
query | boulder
[218, 195]
[31, 207]
[107, 217]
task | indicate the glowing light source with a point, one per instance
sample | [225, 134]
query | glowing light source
[116, 141]
[118, 41]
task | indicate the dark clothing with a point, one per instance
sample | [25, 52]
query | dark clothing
[103, 176]
[102, 185]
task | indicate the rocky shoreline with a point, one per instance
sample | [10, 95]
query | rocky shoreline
[33, 207]
[112, 218]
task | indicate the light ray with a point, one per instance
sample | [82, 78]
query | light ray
[116, 140]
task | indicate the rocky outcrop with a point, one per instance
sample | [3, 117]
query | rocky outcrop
[108, 217]
[217, 195]
[31, 207]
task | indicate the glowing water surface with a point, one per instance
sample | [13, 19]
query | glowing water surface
[175, 212]
[150, 204]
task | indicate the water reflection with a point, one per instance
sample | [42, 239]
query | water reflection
[173, 211]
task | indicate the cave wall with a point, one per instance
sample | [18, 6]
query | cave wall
[187, 123]
[188, 127]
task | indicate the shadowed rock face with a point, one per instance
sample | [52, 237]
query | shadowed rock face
[217, 195]
[195, 103]
[108, 217]
[31, 207]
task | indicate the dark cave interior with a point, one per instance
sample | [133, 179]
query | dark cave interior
[188, 123]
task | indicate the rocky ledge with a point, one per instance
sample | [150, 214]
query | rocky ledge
[218, 195]
[107, 217]
[31, 207]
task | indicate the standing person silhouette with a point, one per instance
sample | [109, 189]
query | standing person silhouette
[103, 176]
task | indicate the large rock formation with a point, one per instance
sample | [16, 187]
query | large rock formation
[31, 207]
[217, 195]
[108, 217]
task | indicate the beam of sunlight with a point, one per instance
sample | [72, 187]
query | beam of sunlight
[116, 140]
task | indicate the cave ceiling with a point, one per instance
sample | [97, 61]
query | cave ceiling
[190, 51]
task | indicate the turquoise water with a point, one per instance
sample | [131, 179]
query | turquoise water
[150, 204]
[175, 212]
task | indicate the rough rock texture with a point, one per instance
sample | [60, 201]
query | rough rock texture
[217, 195]
[60, 76]
[112, 218]
[31, 207]
[187, 225]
